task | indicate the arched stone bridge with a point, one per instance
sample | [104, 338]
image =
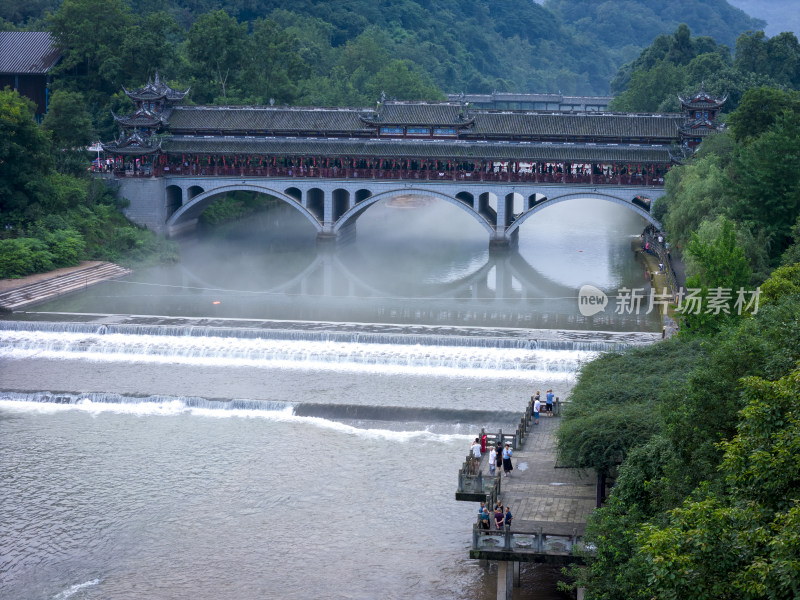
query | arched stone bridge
[332, 206]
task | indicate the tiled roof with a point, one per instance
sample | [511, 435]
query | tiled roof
[420, 113]
[27, 52]
[142, 118]
[249, 118]
[154, 90]
[441, 149]
[133, 145]
[189, 119]
[591, 125]
[702, 99]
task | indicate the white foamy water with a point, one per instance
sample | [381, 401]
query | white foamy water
[175, 407]
[480, 362]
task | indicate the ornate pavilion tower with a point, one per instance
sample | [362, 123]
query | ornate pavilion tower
[153, 103]
[701, 112]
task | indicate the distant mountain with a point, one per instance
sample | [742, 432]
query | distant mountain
[625, 23]
[476, 46]
[780, 15]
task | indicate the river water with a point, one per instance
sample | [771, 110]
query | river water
[273, 420]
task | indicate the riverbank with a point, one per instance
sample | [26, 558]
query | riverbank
[659, 279]
[32, 289]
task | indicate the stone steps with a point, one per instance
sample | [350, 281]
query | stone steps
[61, 284]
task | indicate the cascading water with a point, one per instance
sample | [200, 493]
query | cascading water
[485, 352]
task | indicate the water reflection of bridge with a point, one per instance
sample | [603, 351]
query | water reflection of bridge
[505, 290]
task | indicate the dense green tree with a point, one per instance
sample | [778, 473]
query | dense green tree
[25, 161]
[273, 64]
[70, 127]
[778, 56]
[696, 191]
[68, 121]
[151, 44]
[766, 173]
[400, 80]
[215, 45]
[719, 269]
[758, 110]
[741, 543]
[648, 89]
[783, 282]
[90, 34]
[630, 394]
[792, 253]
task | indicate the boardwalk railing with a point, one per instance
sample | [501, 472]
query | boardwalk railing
[526, 542]
[472, 483]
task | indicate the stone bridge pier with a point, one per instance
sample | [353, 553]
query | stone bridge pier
[172, 204]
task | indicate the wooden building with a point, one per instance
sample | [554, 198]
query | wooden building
[26, 60]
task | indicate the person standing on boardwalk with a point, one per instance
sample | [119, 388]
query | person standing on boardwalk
[537, 405]
[549, 403]
[476, 456]
[484, 517]
[499, 452]
[492, 461]
[507, 466]
[499, 517]
[508, 517]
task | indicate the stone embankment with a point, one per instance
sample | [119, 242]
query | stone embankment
[19, 293]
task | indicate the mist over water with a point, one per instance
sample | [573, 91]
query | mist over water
[272, 419]
[423, 264]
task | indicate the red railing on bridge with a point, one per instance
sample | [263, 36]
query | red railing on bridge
[389, 174]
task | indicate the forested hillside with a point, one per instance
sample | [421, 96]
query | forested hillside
[337, 48]
[680, 63]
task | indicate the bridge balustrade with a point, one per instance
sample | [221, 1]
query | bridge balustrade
[196, 170]
[524, 542]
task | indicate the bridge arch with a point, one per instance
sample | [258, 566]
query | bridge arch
[353, 213]
[539, 205]
[194, 208]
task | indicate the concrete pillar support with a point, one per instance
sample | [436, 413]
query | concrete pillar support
[505, 581]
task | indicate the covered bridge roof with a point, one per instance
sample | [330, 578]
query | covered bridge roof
[477, 125]
[263, 118]
[596, 125]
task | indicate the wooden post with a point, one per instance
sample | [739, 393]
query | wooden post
[507, 537]
[474, 536]
[540, 540]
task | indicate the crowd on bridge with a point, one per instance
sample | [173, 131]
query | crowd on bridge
[403, 168]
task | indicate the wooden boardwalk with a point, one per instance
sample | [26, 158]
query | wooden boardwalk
[542, 495]
[550, 504]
